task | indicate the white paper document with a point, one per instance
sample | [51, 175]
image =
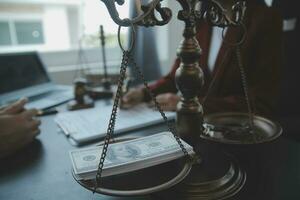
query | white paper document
[86, 125]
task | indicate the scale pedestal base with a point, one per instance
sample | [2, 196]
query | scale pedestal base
[217, 176]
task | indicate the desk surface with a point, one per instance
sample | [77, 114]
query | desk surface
[43, 169]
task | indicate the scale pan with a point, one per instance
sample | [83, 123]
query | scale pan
[233, 129]
[141, 182]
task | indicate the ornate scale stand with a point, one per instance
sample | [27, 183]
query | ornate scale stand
[187, 178]
[101, 90]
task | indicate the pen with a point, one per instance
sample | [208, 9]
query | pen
[49, 111]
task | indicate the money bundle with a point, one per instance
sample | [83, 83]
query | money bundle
[127, 156]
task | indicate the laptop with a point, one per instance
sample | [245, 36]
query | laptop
[25, 75]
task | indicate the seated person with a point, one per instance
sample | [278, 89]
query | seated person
[18, 127]
[261, 59]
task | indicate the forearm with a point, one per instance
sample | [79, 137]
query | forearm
[164, 85]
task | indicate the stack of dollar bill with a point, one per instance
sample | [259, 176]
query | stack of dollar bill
[127, 156]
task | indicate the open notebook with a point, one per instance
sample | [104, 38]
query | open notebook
[86, 125]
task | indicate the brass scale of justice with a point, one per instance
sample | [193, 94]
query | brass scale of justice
[184, 177]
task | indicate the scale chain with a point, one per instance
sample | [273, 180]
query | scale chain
[237, 46]
[112, 121]
[246, 90]
[171, 128]
[127, 57]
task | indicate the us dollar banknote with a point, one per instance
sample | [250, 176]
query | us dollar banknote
[128, 156]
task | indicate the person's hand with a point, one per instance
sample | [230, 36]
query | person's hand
[167, 101]
[14, 108]
[132, 98]
[17, 129]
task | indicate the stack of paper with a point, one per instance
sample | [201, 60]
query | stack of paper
[86, 125]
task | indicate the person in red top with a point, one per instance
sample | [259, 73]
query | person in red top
[261, 55]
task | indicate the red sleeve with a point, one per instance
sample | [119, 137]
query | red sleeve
[166, 83]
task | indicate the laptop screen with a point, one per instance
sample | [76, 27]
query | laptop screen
[21, 70]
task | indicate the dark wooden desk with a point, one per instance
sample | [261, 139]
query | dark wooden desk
[42, 170]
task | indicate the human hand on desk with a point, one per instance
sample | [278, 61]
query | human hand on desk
[18, 127]
[133, 97]
[14, 108]
[167, 101]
